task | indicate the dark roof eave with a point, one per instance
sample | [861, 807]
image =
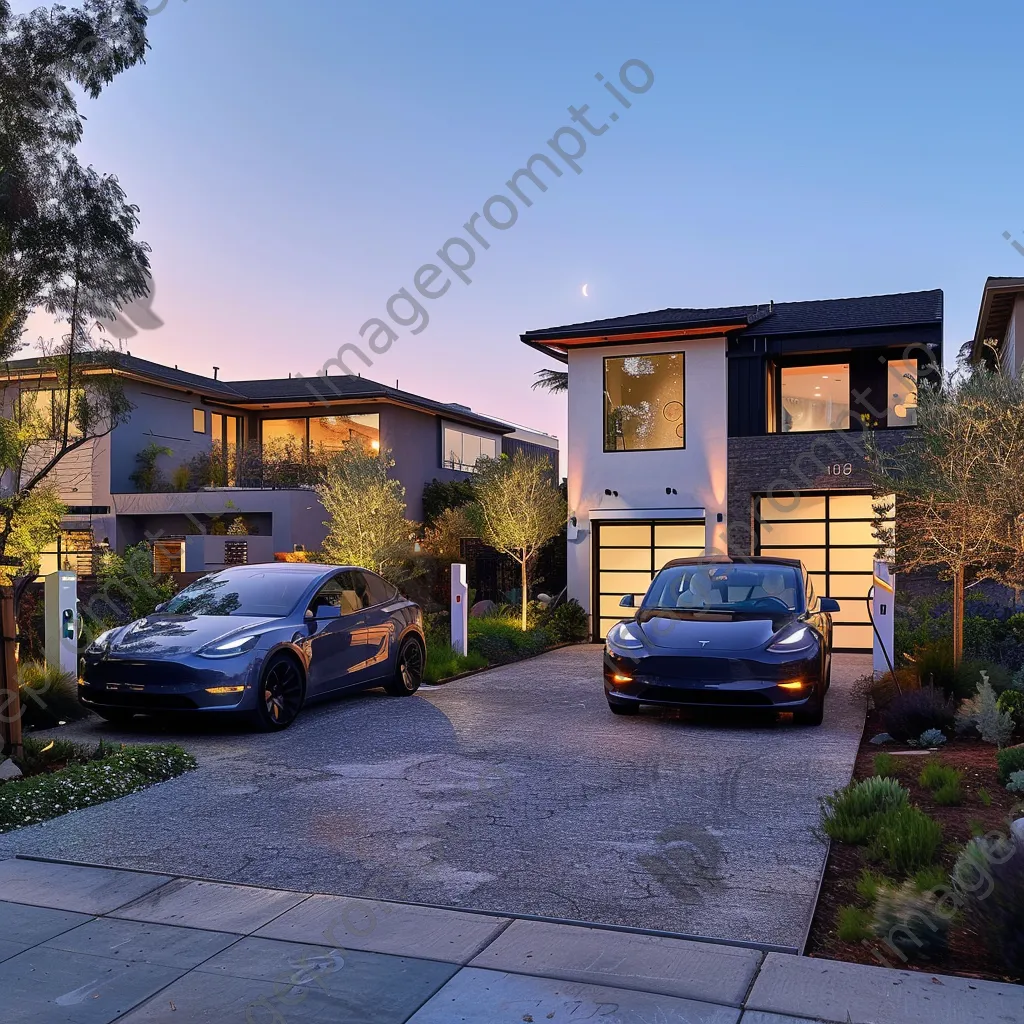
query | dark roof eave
[555, 334]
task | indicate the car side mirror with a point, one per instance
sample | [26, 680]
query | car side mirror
[160, 607]
[626, 602]
[828, 604]
[327, 611]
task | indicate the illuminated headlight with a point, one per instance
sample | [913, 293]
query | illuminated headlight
[625, 636]
[798, 639]
[229, 648]
[102, 643]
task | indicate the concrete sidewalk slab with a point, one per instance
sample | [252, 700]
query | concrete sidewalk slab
[214, 906]
[859, 994]
[33, 925]
[86, 890]
[9, 949]
[476, 996]
[160, 944]
[73, 988]
[676, 967]
[430, 933]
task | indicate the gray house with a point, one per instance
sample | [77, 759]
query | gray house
[197, 453]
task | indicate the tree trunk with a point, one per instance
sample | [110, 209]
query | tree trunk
[524, 589]
[10, 703]
[958, 616]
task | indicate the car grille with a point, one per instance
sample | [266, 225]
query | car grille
[717, 670]
[138, 673]
[139, 701]
[718, 698]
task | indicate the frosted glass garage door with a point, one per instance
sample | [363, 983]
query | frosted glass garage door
[833, 535]
[627, 555]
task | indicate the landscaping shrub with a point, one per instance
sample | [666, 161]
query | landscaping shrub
[1016, 783]
[931, 738]
[912, 921]
[40, 755]
[984, 797]
[981, 716]
[49, 696]
[911, 714]
[1010, 760]
[906, 840]
[868, 885]
[934, 775]
[443, 661]
[501, 641]
[885, 765]
[853, 924]
[989, 880]
[933, 877]
[126, 770]
[949, 795]
[1011, 702]
[568, 623]
[853, 814]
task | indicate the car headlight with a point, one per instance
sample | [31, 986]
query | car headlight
[625, 635]
[798, 639]
[102, 643]
[229, 648]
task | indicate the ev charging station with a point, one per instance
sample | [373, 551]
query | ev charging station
[60, 593]
[460, 613]
[883, 598]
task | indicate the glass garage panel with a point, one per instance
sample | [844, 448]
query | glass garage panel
[852, 533]
[627, 535]
[624, 582]
[775, 534]
[851, 506]
[813, 559]
[850, 585]
[852, 609]
[634, 559]
[610, 606]
[663, 555]
[778, 507]
[852, 560]
[857, 637]
[679, 535]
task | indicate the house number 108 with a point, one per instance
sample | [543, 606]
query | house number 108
[840, 469]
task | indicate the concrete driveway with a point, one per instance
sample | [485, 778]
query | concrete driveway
[514, 790]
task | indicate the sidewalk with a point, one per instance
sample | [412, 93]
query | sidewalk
[89, 945]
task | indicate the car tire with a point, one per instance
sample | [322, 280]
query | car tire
[280, 694]
[623, 709]
[115, 716]
[813, 715]
[408, 670]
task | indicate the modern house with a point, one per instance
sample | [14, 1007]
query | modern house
[198, 452]
[740, 430]
[999, 336]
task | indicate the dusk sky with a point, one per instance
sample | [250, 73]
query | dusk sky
[296, 163]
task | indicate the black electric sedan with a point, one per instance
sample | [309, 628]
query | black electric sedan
[260, 640]
[717, 632]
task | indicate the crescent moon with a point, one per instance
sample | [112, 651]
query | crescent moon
[585, 287]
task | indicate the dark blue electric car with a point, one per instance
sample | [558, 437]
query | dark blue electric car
[260, 640]
[716, 632]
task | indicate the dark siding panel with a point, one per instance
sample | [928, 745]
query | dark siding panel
[747, 396]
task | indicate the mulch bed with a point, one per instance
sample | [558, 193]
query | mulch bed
[968, 955]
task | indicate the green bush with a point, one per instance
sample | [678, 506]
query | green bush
[1011, 702]
[568, 623]
[949, 795]
[886, 765]
[1010, 759]
[443, 661]
[906, 840]
[934, 877]
[49, 697]
[126, 770]
[853, 814]
[913, 922]
[853, 924]
[868, 883]
[500, 641]
[40, 755]
[984, 797]
[935, 774]
[934, 664]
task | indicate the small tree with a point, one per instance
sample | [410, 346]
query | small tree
[366, 513]
[518, 509]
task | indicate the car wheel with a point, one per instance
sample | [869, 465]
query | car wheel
[409, 671]
[281, 693]
[623, 709]
[115, 716]
[812, 715]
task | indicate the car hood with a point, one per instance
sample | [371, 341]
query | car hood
[708, 632]
[162, 637]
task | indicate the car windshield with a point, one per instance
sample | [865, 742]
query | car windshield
[728, 587]
[241, 592]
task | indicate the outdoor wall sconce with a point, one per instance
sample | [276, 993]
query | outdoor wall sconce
[610, 492]
[720, 518]
[671, 490]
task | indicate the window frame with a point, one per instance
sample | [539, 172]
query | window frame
[804, 363]
[604, 402]
[196, 414]
[463, 431]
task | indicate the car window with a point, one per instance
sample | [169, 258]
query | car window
[725, 587]
[340, 591]
[380, 590]
[269, 592]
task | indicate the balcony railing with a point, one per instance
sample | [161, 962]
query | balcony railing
[274, 465]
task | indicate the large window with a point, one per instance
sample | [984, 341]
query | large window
[902, 405]
[43, 412]
[324, 431]
[461, 449]
[815, 398]
[644, 409]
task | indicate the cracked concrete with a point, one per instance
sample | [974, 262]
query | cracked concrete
[512, 790]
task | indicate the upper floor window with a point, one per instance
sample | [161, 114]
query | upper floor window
[461, 449]
[323, 432]
[45, 410]
[644, 407]
[199, 421]
[902, 405]
[815, 398]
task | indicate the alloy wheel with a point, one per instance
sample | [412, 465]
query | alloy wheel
[410, 665]
[282, 692]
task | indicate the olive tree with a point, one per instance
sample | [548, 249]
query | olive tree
[518, 509]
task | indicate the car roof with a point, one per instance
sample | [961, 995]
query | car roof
[734, 560]
[306, 568]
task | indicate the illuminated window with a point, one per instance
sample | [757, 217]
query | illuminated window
[644, 408]
[43, 411]
[461, 449]
[902, 389]
[815, 398]
[199, 421]
[335, 431]
[284, 431]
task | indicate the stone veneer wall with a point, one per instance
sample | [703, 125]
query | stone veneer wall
[792, 462]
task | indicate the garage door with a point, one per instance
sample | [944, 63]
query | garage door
[832, 535]
[628, 554]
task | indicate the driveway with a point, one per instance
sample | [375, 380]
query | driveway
[514, 790]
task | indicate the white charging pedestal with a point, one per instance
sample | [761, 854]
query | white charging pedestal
[883, 612]
[460, 610]
[60, 593]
